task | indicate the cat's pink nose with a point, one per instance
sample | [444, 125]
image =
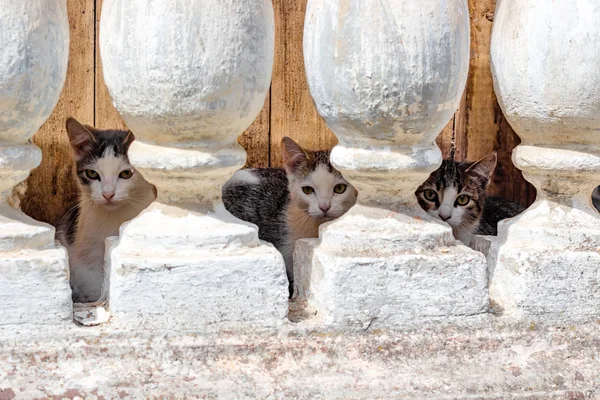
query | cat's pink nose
[324, 208]
[445, 217]
[108, 196]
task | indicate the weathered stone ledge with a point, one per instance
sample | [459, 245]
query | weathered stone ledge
[485, 358]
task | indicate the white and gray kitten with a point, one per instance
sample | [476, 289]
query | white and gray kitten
[111, 192]
[456, 193]
[290, 204]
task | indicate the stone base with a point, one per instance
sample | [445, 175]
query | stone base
[545, 265]
[221, 278]
[556, 285]
[34, 274]
[248, 289]
[378, 287]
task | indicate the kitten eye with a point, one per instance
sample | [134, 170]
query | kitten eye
[430, 195]
[126, 174]
[463, 200]
[308, 190]
[91, 174]
[340, 188]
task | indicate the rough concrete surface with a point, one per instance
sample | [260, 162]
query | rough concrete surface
[389, 291]
[488, 361]
[173, 268]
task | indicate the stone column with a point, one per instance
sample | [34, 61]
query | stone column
[545, 64]
[188, 76]
[34, 52]
[387, 76]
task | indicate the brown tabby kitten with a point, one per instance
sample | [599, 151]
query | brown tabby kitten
[456, 194]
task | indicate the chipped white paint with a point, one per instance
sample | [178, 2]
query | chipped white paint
[387, 78]
[34, 48]
[201, 69]
[545, 61]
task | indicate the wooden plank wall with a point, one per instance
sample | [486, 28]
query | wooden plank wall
[478, 125]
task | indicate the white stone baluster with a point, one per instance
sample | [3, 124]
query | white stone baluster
[188, 76]
[387, 76]
[546, 69]
[34, 52]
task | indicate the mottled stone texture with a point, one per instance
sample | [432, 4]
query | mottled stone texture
[545, 262]
[202, 70]
[480, 361]
[34, 48]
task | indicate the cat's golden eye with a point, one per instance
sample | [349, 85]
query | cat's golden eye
[308, 190]
[126, 174]
[340, 188]
[463, 200]
[430, 195]
[91, 174]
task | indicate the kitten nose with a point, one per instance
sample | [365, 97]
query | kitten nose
[325, 208]
[445, 217]
[108, 196]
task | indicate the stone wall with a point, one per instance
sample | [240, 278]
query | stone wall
[389, 303]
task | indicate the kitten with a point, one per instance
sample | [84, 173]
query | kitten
[456, 193]
[111, 192]
[290, 204]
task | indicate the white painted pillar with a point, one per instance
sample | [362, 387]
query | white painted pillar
[546, 68]
[188, 76]
[387, 76]
[34, 52]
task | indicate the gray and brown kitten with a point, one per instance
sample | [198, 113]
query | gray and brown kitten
[290, 203]
[111, 192]
[456, 193]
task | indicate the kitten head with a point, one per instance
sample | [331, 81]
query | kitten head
[104, 173]
[456, 192]
[315, 186]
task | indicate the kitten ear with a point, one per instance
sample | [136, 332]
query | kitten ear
[293, 155]
[128, 139]
[81, 136]
[485, 167]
